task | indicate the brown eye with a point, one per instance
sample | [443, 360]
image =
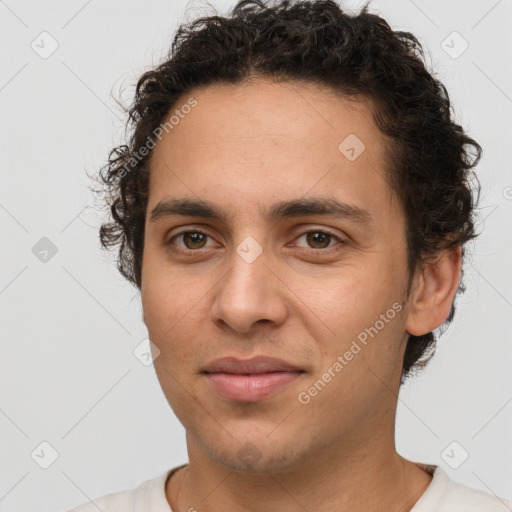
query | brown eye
[191, 240]
[194, 240]
[318, 239]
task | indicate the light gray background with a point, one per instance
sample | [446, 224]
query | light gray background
[69, 325]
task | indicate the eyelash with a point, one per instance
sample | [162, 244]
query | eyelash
[309, 250]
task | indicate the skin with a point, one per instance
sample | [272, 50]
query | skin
[243, 148]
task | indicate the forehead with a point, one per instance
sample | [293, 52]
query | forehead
[284, 139]
[261, 108]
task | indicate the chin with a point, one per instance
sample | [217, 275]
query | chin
[258, 455]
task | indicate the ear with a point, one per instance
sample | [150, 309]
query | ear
[433, 292]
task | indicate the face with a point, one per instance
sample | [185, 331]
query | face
[322, 290]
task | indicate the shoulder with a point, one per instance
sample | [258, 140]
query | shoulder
[114, 502]
[149, 495]
[446, 495]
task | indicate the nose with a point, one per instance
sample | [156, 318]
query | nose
[248, 294]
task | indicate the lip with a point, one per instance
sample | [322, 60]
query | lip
[250, 380]
[258, 364]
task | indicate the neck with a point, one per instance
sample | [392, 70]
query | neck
[348, 479]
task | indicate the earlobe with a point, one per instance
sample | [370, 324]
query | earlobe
[433, 292]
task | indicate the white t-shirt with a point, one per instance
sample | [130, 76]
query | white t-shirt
[442, 495]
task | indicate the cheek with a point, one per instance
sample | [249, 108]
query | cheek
[166, 292]
[164, 302]
[176, 308]
[350, 298]
[345, 307]
[171, 311]
[169, 314]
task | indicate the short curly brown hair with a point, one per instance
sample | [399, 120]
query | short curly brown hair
[353, 54]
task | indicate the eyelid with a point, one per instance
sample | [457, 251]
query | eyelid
[169, 241]
[324, 231]
[342, 241]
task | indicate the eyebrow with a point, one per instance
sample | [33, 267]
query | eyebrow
[325, 206]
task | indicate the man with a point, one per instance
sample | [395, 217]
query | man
[293, 206]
